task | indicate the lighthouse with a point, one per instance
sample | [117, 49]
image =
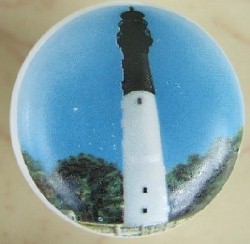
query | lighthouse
[145, 190]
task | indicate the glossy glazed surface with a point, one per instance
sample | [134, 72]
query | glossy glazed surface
[35, 223]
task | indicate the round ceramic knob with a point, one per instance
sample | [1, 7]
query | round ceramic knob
[126, 119]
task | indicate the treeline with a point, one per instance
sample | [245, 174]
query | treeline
[92, 187]
[184, 172]
[89, 186]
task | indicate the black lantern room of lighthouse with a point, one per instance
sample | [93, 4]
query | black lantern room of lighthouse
[134, 39]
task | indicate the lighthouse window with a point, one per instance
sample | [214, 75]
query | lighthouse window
[144, 210]
[145, 190]
[139, 100]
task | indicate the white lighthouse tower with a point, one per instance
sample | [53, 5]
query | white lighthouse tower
[145, 191]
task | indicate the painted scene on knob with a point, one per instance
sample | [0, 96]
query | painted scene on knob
[126, 119]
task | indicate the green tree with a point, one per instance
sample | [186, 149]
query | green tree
[42, 181]
[97, 184]
[182, 173]
[237, 140]
[194, 160]
[33, 165]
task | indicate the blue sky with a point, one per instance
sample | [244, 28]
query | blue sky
[70, 98]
